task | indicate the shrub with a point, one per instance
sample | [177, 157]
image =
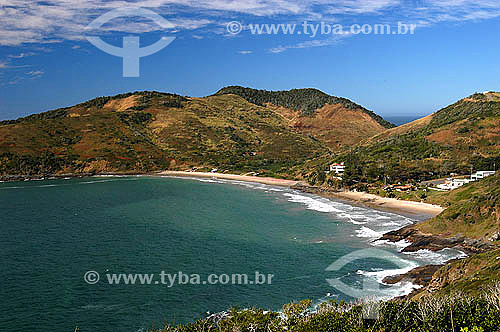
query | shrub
[429, 314]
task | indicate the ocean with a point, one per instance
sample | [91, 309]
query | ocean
[54, 231]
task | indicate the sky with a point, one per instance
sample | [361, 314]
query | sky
[47, 60]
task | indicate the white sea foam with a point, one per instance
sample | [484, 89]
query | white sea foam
[351, 220]
[400, 244]
[97, 181]
[361, 216]
[382, 274]
[365, 232]
[208, 180]
[312, 203]
[251, 185]
[398, 289]
[391, 223]
[437, 257]
[402, 288]
[15, 187]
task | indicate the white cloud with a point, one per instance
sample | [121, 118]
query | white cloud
[21, 55]
[24, 22]
[361, 7]
[20, 77]
[245, 52]
[310, 43]
[35, 73]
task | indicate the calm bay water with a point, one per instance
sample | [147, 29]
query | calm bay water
[53, 232]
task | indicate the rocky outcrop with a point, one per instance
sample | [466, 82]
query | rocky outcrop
[421, 241]
[421, 275]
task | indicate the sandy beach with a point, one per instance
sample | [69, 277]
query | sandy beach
[369, 200]
[257, 179]
[392, 204]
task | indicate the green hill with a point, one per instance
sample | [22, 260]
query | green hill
[151, 131]
[472, 211]
[338, 122]
[305, 100]
[457, 138]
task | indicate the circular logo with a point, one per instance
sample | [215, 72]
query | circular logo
[91, 277]
[234, 27]
[370, 287]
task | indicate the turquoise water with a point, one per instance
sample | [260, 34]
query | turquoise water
[53, 232]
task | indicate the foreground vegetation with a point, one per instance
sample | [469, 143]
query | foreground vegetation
[457, 312]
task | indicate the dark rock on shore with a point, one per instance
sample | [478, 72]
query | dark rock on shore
[420, 241]
[421, 275]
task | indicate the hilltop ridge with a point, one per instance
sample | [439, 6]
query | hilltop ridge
[146, 131]
[306, 100]
[337, 122]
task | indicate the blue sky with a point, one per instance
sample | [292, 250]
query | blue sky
[46, 62]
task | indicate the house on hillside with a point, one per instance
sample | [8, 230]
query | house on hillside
[451, 184]
[407, 187]
[339, 169]
[481, 175]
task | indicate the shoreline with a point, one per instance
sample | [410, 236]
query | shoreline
[420, 211]
[419, 276]
[415, 210]
[411, 208]
[235, 177]
[426, 210]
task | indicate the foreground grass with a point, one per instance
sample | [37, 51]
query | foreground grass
[432, 313]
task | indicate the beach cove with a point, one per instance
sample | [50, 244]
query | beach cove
[147, 224]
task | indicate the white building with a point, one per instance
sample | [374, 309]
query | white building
[339, 169]
[451, 184]
[481, 175]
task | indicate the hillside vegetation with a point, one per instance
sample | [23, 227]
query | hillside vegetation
[337, 122]
[457, 138]
[234, 130]
[150, 131]
[467, 276]
[472, 210]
